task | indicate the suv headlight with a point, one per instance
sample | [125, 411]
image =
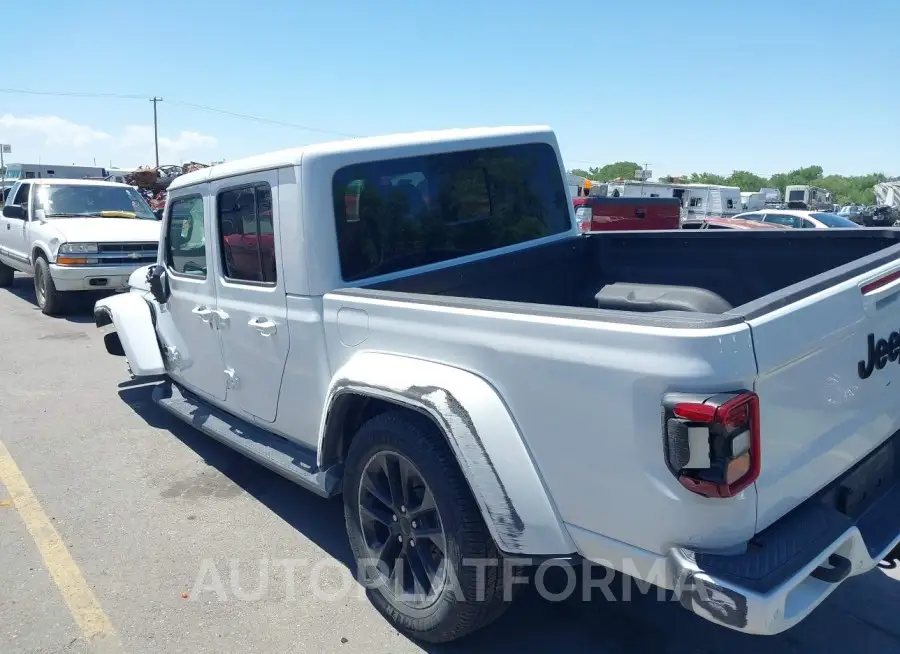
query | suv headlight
[78, 248]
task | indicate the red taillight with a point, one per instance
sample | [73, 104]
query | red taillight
[878, 283]
[584, 216]
[712, 442]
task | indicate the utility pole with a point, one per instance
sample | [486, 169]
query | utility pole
[644, 177]
[5, 148]
[154, 100]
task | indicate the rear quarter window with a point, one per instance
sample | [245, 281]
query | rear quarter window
[402, 213]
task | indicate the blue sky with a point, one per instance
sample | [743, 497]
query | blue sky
[686, 86]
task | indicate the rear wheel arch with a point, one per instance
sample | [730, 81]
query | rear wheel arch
[497, 466]
[348, 412]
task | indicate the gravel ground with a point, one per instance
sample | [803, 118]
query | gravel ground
[154, 514]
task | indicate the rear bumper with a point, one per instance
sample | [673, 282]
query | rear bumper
[792, 566]
[91, 278]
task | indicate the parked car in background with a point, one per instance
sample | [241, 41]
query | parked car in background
[879, 216]
[798, 219]
[852, 212]
[600, 214]
[74, 235]
[730, 223]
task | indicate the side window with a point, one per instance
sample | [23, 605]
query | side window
[783, 219]
[185, 239]
[696, 202]
[22, 195]
[247, 234]
[402, 213]
[808, 224]
[752, 216]
[729, 203]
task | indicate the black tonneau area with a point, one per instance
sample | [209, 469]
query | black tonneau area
[742, 269]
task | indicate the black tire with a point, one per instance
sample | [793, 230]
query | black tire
[466, 536]
[7, 275]
[51, 301]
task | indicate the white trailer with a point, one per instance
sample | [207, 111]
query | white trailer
[17, 171]
[771, 195]
[813, 197]
[752, 201]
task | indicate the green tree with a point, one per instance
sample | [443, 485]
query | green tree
[706, 178]
[746, 180]
[623, 169]
[850, 189]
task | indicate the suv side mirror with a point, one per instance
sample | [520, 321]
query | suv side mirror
[14, 211]
[159, 283]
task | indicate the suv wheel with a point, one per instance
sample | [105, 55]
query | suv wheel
[50, 301]
[7, 275]
[417, 534]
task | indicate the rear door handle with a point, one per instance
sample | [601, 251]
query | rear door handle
[263, 325]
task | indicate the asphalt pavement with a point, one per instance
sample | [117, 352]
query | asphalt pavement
[133, 532]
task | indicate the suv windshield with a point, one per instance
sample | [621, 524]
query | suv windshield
[73, 200]
[833, 220]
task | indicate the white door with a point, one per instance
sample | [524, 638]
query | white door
[186, 323]
[250, 295]
[13, 231]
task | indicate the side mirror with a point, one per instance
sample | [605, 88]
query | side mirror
[14, 211]
[159, 283]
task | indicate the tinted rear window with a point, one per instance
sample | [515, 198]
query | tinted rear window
[402, 213]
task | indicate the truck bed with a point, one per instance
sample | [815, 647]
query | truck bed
[511, 315]
[753, 272]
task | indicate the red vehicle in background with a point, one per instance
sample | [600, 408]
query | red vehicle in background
[729, 223]
[599, 213]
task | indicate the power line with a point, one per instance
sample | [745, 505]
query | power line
[262, 120]
[190, 105]
[75, 94]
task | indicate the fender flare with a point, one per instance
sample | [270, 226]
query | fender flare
[38, 248]
[130, 314]
[486, 441]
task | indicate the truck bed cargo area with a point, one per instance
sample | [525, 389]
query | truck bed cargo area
[716, 271]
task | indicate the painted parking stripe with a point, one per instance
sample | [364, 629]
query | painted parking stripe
[83, 605]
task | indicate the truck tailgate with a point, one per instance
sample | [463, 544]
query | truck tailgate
[829, 389]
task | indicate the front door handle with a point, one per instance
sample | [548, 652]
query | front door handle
[202, 312]
[263, 325]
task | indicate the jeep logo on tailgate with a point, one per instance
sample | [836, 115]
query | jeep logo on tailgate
[879, 353]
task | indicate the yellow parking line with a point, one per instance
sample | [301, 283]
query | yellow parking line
[82, 603]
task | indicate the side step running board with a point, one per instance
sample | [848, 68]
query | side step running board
[280, 455]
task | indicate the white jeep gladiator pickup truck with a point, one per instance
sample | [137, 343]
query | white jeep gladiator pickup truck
[75, 235]
[415, 322]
